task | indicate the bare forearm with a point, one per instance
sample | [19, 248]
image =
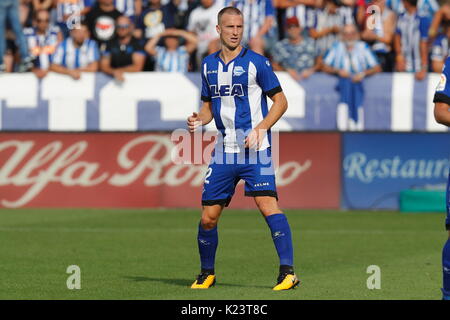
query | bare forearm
[266, 26]
[424, 54]
[278, 108]
[372, 71]
[59, 69]
[205, 114]
[92, 67]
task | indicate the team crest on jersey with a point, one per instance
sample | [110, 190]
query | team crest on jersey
[442, 82]
[226, 90]
[238, 70]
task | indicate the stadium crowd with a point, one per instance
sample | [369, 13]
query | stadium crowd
[350, 38]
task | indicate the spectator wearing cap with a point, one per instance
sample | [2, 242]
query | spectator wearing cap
[43, 39]
[124, 53]
[440, 49]
[76, 54]
[411, 41]
[296, 54]
[351, 60]
[172, 57]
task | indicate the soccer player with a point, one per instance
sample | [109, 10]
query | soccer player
[442, 115]
[235, 84]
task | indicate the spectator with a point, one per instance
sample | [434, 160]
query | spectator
[101, 20]
[155, 19]
[379, 32]
[440, 50]
[259, 17]
[173, 57]
[303, 10]
[411, 41]
[183, 9]
[124, 53]
[76, 54]
[296, 54]
[69, 13]
[130, 8]
[425, 8]
[202, 22]
[352, 61]
[327, 24]
[9, 11]
[43, 40]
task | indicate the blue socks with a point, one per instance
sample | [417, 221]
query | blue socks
[446, 270]
[207, 246]
[281, 235]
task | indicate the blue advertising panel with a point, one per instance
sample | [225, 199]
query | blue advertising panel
[377, 166]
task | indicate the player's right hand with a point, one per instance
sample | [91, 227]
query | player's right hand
[193, 122]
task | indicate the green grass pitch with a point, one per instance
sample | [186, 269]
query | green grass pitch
[152, 254]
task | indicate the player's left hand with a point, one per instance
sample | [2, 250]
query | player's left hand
[255, 138]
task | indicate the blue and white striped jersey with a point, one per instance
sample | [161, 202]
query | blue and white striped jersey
[71, 57]
[426, 8]
[412, 29]
[359, 59]
[172, 61]
[70, 7]
[304, 14]
[42, 46]
[126, 7]
[254, 13]
[324, 19]
[440, 50]
[238, 91]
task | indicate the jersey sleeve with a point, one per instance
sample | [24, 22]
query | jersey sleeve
[267, 79]
[442, 93]
[206, 93]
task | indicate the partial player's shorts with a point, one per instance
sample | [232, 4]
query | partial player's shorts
[226, 169]
[447, 199]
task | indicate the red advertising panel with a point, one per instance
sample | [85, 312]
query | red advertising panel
[136, 170]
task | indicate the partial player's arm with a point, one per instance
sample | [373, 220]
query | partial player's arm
[442, 113]
[442, 97]
[203, 117]
[279, 107]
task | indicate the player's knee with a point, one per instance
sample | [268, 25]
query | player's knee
[208, 223]
[267, 205]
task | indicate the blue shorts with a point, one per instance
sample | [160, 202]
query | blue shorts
[447, 199]
[226, 169]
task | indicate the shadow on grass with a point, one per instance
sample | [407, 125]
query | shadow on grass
[186, 282]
